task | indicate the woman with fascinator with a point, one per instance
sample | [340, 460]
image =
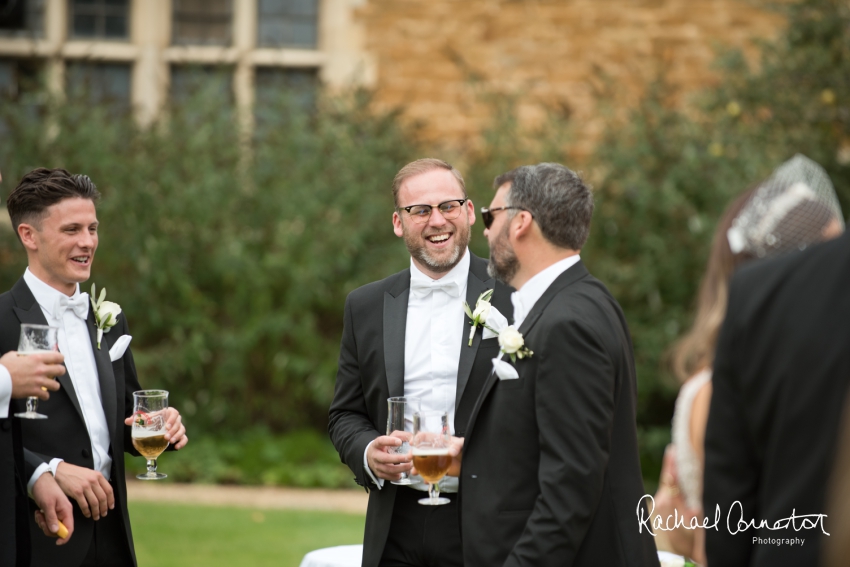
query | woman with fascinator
[794, 208]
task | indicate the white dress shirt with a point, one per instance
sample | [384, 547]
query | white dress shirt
[75, 344]
[525, 298]
[433, 338]
[5, 391]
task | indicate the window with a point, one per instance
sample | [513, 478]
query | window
[202, 22]
[18, 77]
[288, 23]
[21, 18]
[107, 19]
[189, 81]
[279, 92]
[100, 83]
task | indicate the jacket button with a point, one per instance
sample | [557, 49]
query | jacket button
[86, 453]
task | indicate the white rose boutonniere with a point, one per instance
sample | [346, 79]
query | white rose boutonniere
[480, 314]
[513, 343]
[105, 313]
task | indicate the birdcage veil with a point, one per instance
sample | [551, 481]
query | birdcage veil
[788, 211]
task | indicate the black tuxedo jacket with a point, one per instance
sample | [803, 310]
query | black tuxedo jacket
[14, 509]
[780, 379]
[64, 434]
[371, 369]
[551, 473]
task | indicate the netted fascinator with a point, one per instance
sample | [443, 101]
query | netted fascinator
[788, 211]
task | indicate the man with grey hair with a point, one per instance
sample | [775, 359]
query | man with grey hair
[550, 473]
[407, 335]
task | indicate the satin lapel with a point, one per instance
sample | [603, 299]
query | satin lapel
[105, 375]
[395, 325]
[30, 312]
[574, 273]
[474, 288]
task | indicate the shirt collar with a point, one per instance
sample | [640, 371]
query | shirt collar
[527, 296]
[44, 295]
[459, 274]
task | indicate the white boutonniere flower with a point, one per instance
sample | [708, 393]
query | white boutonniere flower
[480, 314]
[105, 313]
[513, 343]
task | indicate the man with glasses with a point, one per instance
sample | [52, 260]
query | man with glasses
[550, 474]
[407, 335]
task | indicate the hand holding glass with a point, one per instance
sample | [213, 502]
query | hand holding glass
[398, 426]
[431, 457]
[36, 339]
[149, 428]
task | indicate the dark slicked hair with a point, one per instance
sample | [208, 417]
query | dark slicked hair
[560, 202]
[41, 188]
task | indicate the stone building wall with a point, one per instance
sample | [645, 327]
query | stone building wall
[438, 57]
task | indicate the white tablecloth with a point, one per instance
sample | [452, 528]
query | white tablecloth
[339, 556]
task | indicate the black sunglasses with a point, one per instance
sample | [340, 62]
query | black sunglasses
[487, 214]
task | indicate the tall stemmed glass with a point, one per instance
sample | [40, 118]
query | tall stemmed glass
[401, 426]
[431, 452]
[36, 339]
[149, 428]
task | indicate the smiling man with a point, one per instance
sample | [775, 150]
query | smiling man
[407, 335]
[82, 441]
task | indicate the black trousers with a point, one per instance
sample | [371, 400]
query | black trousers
[108, 546]
[423, 536]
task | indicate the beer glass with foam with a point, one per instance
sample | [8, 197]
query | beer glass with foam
[149, 428]
[430, 444]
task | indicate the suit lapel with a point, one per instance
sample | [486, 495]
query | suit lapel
[104, 373]
[29, 311]
[474, 288]
[572, 274]
[395, 325]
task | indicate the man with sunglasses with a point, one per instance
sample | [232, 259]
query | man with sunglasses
[550, 474]
[407, 335]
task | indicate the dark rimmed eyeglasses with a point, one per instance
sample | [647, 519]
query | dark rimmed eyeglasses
[487, 214]
[421, 213]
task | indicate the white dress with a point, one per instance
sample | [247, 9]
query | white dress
[688, 465]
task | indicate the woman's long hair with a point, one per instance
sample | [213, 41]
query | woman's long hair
[695, 350]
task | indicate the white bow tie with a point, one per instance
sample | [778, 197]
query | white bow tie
[79, 305]
[422, 287]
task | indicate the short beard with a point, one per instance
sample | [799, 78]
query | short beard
[503, 261]
[420, 253]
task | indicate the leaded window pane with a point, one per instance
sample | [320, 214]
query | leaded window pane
[21, 18]
[288, 23]
[99, 19]
[202, 22]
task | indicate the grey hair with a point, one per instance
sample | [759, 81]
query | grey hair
[557, 198]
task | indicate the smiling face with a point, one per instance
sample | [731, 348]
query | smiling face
[437, 245]
[61, 246]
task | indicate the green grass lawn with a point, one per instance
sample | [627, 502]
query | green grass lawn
[175, 535]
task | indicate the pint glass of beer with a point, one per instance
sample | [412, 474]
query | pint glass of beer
[400, 410]
[149, 428]
[431, 457]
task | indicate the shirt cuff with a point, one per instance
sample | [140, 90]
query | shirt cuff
[378, 481]
[5, 391]
[43, 468]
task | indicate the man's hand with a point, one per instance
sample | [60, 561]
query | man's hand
[456, 452]
[89, 488]
[384, 464]
[54, 507]
[175, 432]
[33, 372]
